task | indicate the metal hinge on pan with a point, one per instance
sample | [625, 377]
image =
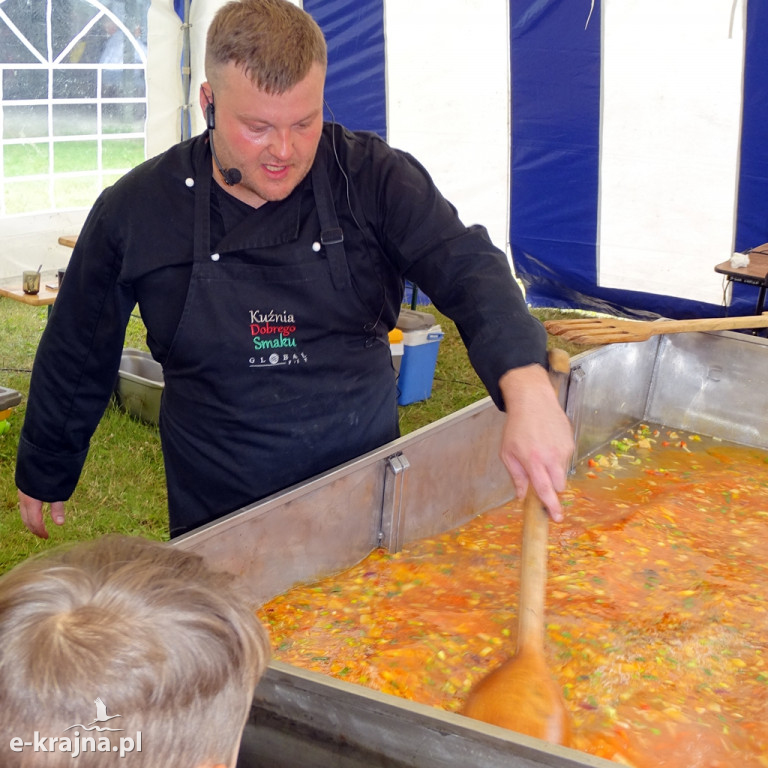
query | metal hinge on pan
[392, 526]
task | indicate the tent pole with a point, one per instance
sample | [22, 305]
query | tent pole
[186, 75]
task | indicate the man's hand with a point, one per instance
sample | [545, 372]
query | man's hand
[32, 514]
[537, 443]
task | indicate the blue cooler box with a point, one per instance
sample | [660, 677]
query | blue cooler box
[417, 369]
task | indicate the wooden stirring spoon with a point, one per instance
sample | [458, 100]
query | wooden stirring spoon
[521, 694]
[612, 330]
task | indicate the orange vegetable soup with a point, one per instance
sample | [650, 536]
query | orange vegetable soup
[657, 606]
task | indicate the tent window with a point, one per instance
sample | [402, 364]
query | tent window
[74, 84]
[72, 100]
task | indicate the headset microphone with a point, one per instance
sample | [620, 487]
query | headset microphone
[231, 176]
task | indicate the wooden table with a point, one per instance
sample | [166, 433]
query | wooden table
[68, 240]
[755, 273]
[12, 289]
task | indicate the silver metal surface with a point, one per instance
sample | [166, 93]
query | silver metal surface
[608, 391]
[713, 384]
[392, 508]
[710, 383]
[301, 718]
[333, 521]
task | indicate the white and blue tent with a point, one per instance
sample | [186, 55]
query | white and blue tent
[639, 152]
[616, 149]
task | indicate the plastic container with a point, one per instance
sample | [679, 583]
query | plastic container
[9, 398]
[417, 370]
[413, 320]
[396, 348]
[140, 385]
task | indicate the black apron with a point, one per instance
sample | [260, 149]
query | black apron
[276, 372]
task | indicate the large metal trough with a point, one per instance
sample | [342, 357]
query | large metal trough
[428, 482]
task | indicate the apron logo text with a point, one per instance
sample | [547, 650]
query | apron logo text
[259, 343]
[271, 317]
[275, 359]
[272, 330]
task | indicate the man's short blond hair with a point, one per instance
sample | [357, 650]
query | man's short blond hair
[149, 630]
[273, 41]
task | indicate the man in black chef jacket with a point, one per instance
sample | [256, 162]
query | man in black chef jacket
[267, 257]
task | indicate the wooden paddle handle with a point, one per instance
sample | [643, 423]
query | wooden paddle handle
[533, 573]
[533, 557]
[709, 324]
[559, 365]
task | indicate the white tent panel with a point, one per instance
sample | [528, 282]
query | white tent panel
[32, 240]
[672, 93]
[202, 15]
[448, 101]
[164, 79]
[164, 90]
[671, 84]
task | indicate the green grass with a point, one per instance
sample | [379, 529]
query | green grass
[122, 153]
[122, 488]
[27, 159]
[21, 160]
[69, 156]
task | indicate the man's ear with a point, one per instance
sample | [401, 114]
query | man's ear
[206, 98]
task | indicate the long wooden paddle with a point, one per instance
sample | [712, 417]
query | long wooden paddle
[521, 694]
[610, 330]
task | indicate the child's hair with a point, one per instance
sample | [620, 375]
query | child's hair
[136, 631]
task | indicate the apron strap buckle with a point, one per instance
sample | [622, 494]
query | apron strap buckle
[333, 240]
[332, 236]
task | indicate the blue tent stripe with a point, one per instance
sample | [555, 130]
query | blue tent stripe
[556, 81]
[555, 91]
[178, 6]
[355, 87]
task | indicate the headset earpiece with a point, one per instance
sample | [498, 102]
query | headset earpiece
[231, 176]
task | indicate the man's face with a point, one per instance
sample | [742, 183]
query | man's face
[271, 139]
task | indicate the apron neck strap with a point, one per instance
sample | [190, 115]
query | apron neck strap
[201, 243]
[331, 235]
